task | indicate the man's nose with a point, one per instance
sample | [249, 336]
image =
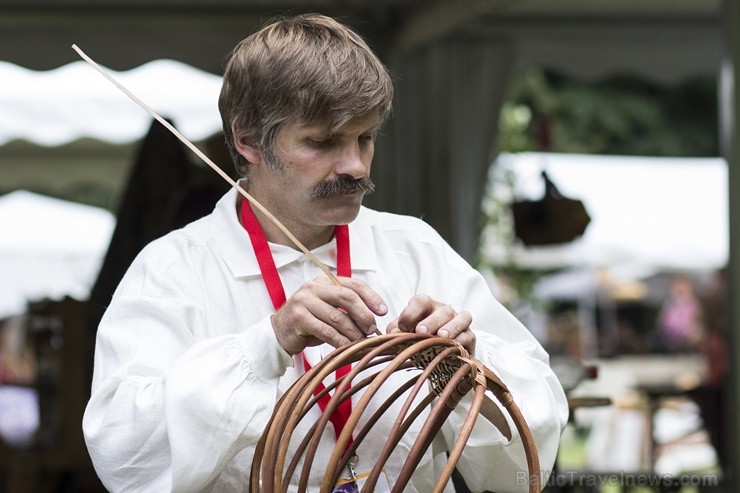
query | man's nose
[354, 162]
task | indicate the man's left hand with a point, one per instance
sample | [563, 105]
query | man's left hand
[428, 316]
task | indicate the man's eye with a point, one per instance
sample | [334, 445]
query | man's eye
[321, 142]
[367, 137]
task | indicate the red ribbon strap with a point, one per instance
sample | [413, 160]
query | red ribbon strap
[276, 291]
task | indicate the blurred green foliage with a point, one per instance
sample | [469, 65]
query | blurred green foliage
[619, 115]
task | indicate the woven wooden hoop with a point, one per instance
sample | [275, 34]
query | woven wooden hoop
[443, 363]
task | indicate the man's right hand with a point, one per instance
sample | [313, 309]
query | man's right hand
[320, 311]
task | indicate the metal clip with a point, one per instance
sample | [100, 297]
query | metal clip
[351, 466]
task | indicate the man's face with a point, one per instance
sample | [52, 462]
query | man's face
[321, 176]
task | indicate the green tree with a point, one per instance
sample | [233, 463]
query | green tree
[619, 115]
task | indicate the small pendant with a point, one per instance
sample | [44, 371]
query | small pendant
[348, 484]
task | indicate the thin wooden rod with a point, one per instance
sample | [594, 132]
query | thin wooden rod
[299, 451]
[429, 429]
[382, 346]
[462, 438]
[359, 408]
[356, 387]
[210, 163]
[402, 423]
[503, 395]
[379, 412]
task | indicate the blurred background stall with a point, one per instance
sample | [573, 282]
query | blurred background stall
[627, 106]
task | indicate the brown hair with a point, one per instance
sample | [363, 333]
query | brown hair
[308, 68]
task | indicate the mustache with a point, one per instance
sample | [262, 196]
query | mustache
[342, 186]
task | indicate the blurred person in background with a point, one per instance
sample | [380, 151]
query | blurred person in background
[680, 320]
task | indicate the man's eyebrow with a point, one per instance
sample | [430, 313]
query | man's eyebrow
[328, 132]
[318, 130]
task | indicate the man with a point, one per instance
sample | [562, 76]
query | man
[213, 322]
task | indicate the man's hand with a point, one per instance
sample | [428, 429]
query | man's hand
[321, 311]
[427, 316]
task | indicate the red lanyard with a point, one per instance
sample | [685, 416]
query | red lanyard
[277, 294]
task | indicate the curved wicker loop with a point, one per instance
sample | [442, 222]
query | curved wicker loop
[443, 364]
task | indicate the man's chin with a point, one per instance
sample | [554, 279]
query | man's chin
[345, 214]
[351, 215]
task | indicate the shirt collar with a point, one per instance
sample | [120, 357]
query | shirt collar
[233, 242]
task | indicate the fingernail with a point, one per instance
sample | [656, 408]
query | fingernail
[382, 308]
[444, 333]
[402, 327]
[422, 328]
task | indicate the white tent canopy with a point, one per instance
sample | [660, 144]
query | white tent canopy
[74, 101]
[49, 248]
[645, 211]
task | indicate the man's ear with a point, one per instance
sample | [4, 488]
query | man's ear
[245, 146]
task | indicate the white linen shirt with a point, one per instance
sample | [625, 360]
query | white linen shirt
[188, 368]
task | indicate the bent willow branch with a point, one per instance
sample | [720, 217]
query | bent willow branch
[441, 363]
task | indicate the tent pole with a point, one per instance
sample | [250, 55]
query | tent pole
[730, 142]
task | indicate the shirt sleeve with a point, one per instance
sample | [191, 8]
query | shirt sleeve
[161, 414]
[491, 462]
